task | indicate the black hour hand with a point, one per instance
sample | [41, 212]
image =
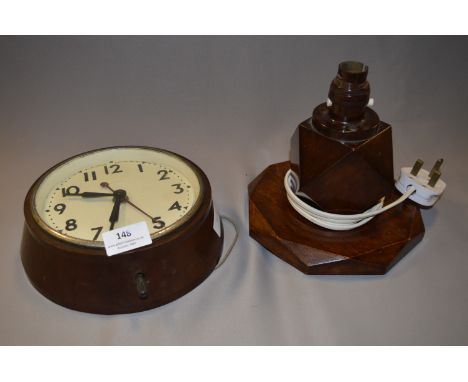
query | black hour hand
[94, 194]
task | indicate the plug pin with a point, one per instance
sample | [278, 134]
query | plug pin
[416, 167]
[436, 167]
[434, 178]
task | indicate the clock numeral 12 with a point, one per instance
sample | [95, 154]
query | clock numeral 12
[114, 167]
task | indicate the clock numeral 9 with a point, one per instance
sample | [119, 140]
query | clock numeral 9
[72, 190]
[60, 208]
[71, 225]
[158, 223]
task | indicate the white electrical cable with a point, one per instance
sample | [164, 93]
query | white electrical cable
[231, 246]
[336, 222]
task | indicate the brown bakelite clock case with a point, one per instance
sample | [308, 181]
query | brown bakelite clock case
[71, 206]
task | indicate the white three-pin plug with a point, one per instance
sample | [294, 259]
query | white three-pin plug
[428, 185]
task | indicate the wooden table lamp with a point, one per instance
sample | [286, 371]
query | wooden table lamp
[343, 159]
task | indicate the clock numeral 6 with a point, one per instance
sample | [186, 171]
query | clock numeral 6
[158, 223]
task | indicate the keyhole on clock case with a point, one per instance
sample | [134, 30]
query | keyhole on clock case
[141, 285]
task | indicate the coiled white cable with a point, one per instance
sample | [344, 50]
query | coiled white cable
[336, 222]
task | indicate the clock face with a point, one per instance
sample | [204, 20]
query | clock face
[95, 192]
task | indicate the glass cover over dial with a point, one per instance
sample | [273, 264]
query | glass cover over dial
[95, 192]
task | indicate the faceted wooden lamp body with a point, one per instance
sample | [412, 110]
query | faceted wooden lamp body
[344, 159]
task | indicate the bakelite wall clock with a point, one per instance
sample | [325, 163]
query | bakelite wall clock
[73, 204]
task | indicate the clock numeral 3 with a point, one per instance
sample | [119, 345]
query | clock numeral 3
[178, 189]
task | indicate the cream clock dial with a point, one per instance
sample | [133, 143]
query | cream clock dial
[107, 189]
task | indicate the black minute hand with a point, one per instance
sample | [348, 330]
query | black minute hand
[119, 197]
[115, 213]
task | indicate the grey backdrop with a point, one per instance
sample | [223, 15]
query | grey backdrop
[231, 104]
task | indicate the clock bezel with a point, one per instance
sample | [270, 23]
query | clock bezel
[100, 244]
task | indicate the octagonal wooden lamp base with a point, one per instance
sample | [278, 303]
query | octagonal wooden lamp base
[371, 249]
